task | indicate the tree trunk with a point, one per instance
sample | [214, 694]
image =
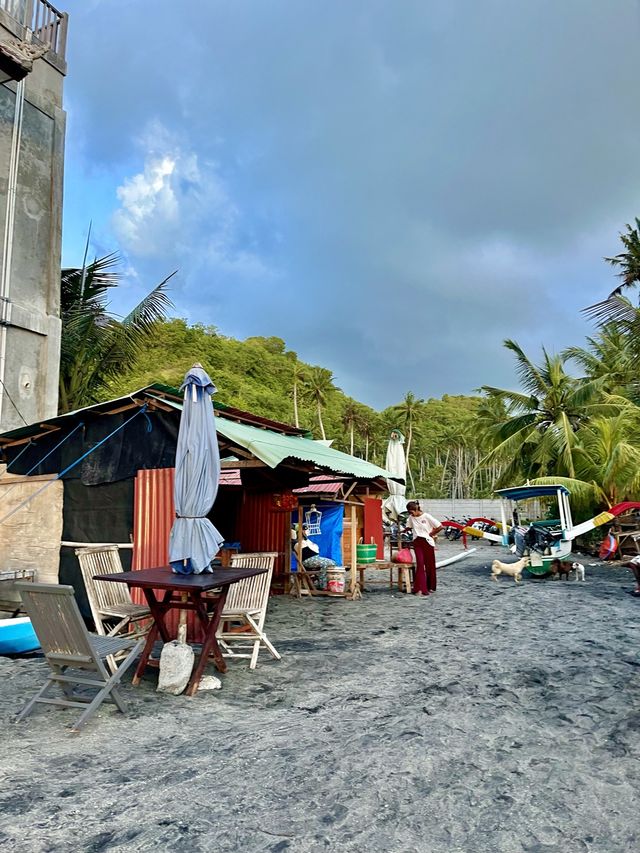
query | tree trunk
[321, 425]
[295, 404]
[351, 436]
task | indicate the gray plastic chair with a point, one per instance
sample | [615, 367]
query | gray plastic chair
[68, 646]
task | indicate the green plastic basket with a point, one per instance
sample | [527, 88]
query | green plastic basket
[366, 553]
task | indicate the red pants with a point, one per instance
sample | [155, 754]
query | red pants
[425, 579]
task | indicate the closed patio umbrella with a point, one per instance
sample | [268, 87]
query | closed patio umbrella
[194, 541]
[396, 465]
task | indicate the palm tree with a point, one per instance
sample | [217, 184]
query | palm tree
[408, 412]
[608, 355]
[95, 345]
[539, 432]
[607, 460]
[617, 307]
[351, 417]
[298, 379]
[318, 386]
[368, 429]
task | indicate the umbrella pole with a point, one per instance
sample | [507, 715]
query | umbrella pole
[182, 621]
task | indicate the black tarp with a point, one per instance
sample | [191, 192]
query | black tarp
[147, 441]
[101, 513]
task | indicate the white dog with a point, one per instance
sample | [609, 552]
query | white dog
[513, 569]
[578, 568]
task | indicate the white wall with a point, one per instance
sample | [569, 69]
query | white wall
[458, 509]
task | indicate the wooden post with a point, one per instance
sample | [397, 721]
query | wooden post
[355, 586]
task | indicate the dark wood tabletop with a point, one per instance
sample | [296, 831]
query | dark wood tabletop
[162, 577]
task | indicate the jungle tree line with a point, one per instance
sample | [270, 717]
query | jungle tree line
[584, 429]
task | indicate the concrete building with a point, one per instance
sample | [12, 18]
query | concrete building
[32, 128]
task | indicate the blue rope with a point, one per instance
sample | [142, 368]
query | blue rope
[53, 450]
[141, 411]
[46, 456]
[24, 450]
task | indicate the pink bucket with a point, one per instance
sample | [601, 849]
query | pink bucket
[335, 579]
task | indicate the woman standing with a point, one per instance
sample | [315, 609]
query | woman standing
[425, 527]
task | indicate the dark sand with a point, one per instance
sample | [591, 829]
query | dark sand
[490, 717]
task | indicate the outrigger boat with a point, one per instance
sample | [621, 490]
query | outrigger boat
[543, 541]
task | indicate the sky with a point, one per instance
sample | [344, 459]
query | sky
[391, 186]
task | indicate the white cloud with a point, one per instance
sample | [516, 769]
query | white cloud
[178, 209]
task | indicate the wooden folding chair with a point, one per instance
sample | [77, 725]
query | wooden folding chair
[110, 602]
[247, 604]
[68, 646]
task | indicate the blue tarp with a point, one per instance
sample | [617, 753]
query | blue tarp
[329, 539]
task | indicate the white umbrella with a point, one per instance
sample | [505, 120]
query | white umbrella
[396, 465]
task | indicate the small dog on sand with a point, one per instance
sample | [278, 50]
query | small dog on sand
[561, 570]
[513, 569]
[578, 568]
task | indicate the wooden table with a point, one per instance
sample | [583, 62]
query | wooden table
[207, 609]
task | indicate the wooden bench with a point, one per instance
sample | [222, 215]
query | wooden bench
[405, 573]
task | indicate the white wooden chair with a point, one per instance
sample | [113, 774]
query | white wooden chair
[247, 604]
[110, 602]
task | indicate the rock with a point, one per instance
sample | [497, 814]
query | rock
[209, 682]
[176, 663]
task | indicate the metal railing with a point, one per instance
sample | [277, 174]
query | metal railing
[48, 25]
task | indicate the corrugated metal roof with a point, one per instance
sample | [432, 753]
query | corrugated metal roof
[164, 394]
[269, 441]
[274, 447]
[230, 477]
[320, 486]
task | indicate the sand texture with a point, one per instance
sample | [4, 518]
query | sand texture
[489, 717]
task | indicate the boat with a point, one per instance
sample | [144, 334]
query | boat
[546, 540]
[17, 636]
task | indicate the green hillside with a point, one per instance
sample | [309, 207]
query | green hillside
[258, 375]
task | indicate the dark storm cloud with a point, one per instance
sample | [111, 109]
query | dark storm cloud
[391, 187]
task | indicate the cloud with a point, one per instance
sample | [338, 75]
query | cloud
[178, 212]
[392, 188]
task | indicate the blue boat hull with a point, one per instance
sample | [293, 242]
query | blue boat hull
[17, 636]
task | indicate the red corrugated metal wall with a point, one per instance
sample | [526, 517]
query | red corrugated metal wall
[260, 527]
[153, 514]
[263, 527]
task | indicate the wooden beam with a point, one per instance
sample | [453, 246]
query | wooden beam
[244, 463]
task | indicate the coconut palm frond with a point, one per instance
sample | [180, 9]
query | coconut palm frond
[513, 399]
[614, 309]
[152, 308]
[530, 376]
[95, 345]
[581, 489]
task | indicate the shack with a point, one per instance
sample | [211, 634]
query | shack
[111, 468]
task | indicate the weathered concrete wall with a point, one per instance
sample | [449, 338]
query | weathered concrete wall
[32, 307]
[30, 539]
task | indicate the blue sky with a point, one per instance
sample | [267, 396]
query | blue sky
[391, 187]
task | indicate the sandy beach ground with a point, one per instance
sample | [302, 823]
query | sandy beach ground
[489, 717]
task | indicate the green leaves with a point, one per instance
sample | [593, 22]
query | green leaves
[96, 346]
